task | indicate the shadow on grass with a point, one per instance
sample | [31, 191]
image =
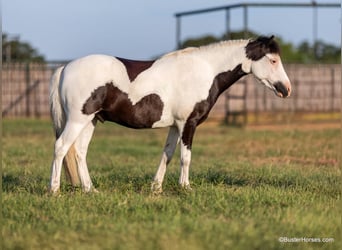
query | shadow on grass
[251, 178]
[121, 181]
[141, 183]
[317, 183]
[29, 184]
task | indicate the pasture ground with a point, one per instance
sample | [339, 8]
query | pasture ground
[252, 189]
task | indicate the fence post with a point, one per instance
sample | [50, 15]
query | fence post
[332, 72]
[256, 110]
[27, 81]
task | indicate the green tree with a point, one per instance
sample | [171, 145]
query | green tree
[327, 53]
[196, 42]
[17, 51]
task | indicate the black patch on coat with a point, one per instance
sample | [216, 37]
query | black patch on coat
[134, 68]
[114, 105]
[256, 49]
[201, 110]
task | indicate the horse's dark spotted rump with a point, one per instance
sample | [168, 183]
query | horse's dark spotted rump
[114, 105]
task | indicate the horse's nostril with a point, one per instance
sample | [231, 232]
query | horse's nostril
[281, 89]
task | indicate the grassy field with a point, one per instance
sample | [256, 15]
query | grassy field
[252, 189]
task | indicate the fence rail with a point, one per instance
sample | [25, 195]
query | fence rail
[316, 88]
[25, 88]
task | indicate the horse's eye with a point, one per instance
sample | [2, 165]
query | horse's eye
[273, 61]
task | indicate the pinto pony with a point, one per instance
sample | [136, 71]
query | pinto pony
[177, 91]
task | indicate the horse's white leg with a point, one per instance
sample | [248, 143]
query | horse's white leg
[62, 145]
[169, 149]
[56, 166]
[81, 145]
[187, 133]
[185, 165]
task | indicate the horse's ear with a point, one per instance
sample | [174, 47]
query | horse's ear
[269, 40]
[272, 45]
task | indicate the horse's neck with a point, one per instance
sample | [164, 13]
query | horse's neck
[225, 55]
[226, 60]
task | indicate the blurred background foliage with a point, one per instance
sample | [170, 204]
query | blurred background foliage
[14, 50]
[306, 53]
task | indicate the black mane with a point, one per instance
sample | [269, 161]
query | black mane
[258, 48]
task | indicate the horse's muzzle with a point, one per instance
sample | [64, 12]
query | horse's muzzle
[282, 90]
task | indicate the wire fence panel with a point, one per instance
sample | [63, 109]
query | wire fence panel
[25, 89]
[315, 88]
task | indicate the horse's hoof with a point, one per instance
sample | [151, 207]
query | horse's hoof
[91, 190]
[156, 188]
[186, 187]
[54, 193]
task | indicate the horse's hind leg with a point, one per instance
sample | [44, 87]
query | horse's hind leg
[81, 146]
[71, 131]
[169, 149]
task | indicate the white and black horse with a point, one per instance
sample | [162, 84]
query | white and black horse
[177, 90]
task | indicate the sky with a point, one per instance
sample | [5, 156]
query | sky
[136, 29]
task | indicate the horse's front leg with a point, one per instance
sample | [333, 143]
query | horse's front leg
[186, 144]
[184, 167]
[169, 149]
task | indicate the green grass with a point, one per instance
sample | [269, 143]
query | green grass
[249, 189]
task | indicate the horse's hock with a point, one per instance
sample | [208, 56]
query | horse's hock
[316, 88]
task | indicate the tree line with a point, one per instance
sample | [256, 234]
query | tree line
[319, 52]
[15, 50]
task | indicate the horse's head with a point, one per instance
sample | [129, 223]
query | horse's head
[263, 61]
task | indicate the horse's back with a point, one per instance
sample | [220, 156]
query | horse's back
[95, 69]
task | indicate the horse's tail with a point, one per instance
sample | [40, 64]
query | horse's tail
[59, 119]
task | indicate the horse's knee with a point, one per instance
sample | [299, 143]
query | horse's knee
[185, 162]
[168, 157]
[58, 143]
[185, 157]
[80, 154]
[60, 149]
